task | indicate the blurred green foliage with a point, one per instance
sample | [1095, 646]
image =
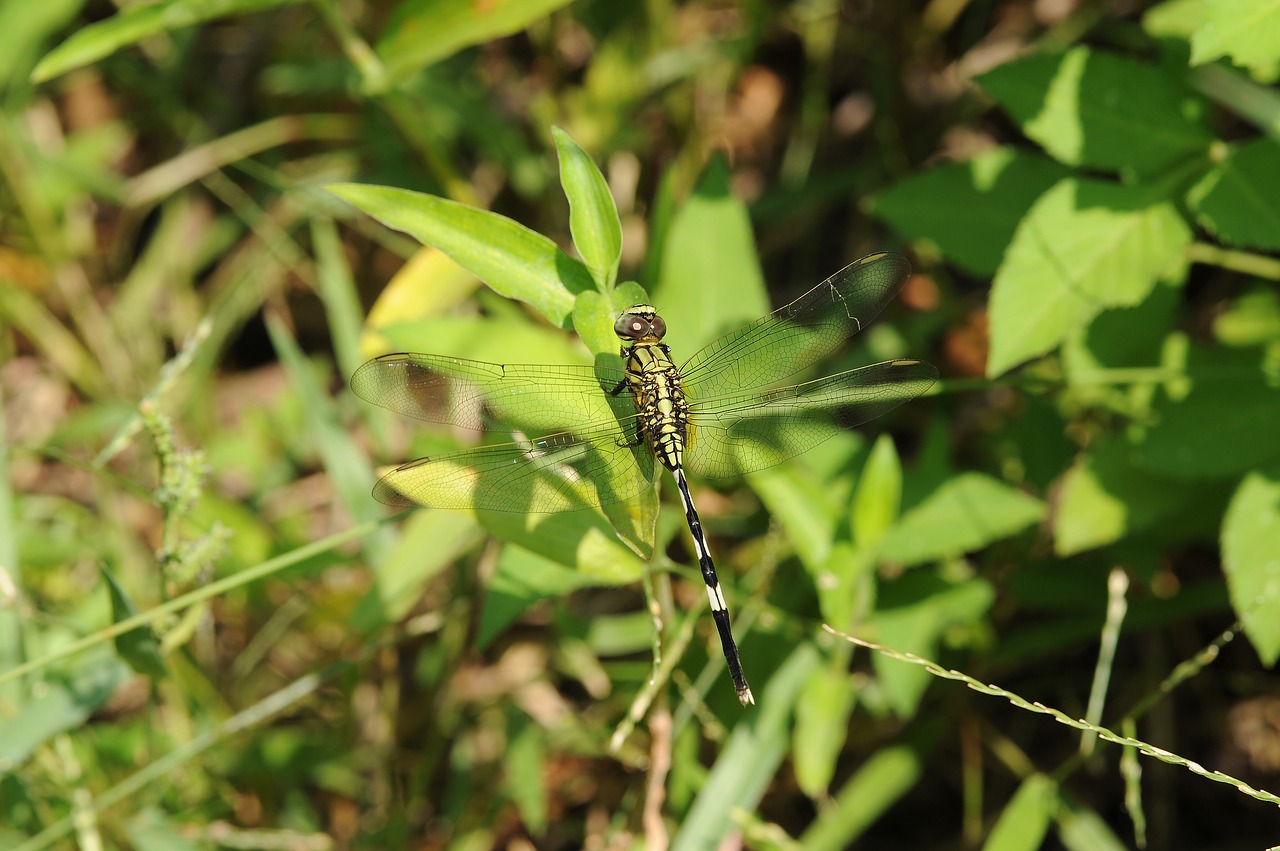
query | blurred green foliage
[211, 636]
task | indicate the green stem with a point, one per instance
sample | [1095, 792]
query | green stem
[1236, 261]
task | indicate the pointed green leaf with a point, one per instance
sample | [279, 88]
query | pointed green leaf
[513, 260]
[822, 724]
[138, 646]
[1175, 18]
[1084, 246]
[1106, 497]
[1099, 110]
[1025, 820]
[970, 210]
[521, 579]
[750, 758]
[23, 30]
[1238, 201]
[422, 32]
[61, 705]
[711, 281]
[96, 41]
[525, 760]
[1251, 559]
[429, 543]
[1245, 30]
[964, 514]
[879, 494]
[879, 783]
[912, 615]
[593, 217]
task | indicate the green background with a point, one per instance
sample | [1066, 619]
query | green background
[211, 636]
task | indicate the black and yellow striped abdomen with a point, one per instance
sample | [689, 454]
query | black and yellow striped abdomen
[663, 413]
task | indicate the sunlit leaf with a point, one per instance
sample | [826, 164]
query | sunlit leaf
[141, 20]
[1084, 246]
[1101, 110]
[1025, 820]
[711, 280]
[422, 32]
[1250, 542]
[965, 513]
[593, 217]
[970, 210]
[514, 261]
[1245, 30]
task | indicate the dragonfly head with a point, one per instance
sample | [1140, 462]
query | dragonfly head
[640, 324]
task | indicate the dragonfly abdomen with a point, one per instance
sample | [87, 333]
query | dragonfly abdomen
[661, 408]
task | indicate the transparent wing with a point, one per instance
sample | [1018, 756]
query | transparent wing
[738, 433]
[798, 335]
[478, 395]
[582, 461]
[559, 472]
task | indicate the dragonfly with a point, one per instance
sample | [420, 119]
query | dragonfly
[580, 437]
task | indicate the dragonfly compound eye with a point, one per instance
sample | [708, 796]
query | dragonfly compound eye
[631, 327]
[659, 327]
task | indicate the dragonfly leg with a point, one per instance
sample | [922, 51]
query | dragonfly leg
[719, 608]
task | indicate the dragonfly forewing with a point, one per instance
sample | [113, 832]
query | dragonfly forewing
[479, 395]
[797, 335]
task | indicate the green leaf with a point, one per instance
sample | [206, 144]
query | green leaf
[1099, 110]
[1084, 246]
[1024, 822]
[1082, 829]
[711, 280]
[429, 543]
[595, 313]
[1251, 319]
[750, 758]
[879, 495]
[1245, 30]
[915, 611]
[1175, 18]
[798, 501]
[493, 339]
[878, 784]
[1250, 543]
[822, 724]
[513, 260]
[577, 539]
[523, 578]
[1238, 201]
[153, 830]
[422, 32]
[969, 210]
[525, 760]
[593, 217]
[138, 646]
[23, 29]
[96, 41]
[346, 463]
[60, 706]
[1105, 497]
[964, 514]
[1223, 426]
